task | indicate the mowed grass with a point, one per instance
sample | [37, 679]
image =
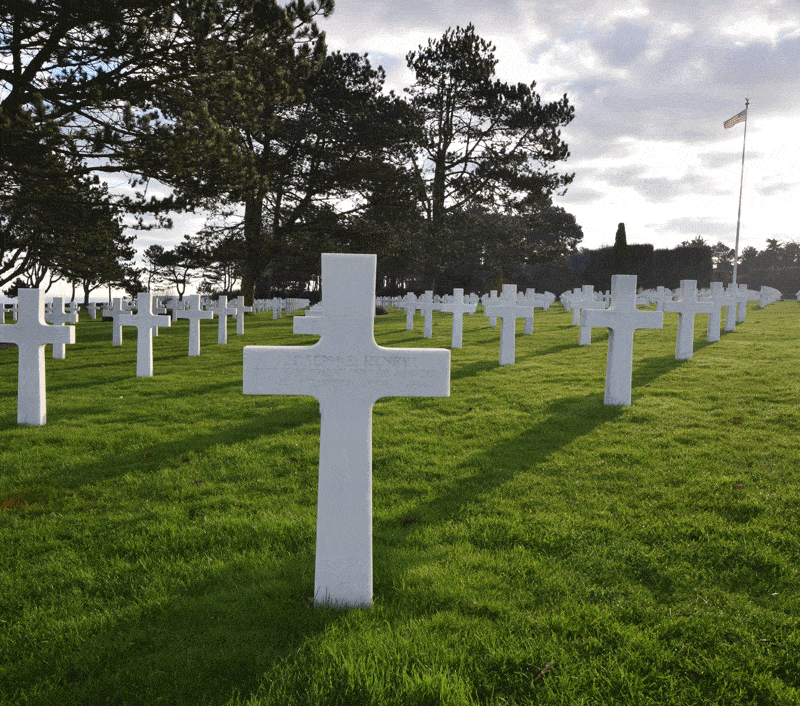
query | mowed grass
[531, 545]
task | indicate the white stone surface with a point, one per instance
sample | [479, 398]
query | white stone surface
[687, 306]
[730, 308]
[91, 307]
[717, 296]
[622, 319]
[589, 303]
[31, 334]
[506, 308]
[457, 306]
[59, 317]
[409, 305]
[347, 371]
[118, 314]
[767, 296]
[222, 311]
[659, 297]
[195, 314]
[145, 321]
[488, 300]
[426, 305]
[744, 295]
[239, 310]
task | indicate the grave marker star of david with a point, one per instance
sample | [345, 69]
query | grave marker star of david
[347, 372]
[622, 319]
[31, 334]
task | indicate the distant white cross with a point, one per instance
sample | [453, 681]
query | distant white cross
[718, 297]
[347, 371]
[487, 299]
[194, 314]
[58, 317]
[730, 312]
[409, 305]
[622, 319]
[457, 307]
[507, 309]
[222, 311]
[239, 310]
[588, 302]
[31, 334]
[118, 314]
[145, 321]
[426, 305]
[687, 306]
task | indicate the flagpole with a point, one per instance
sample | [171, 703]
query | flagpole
[741, 183]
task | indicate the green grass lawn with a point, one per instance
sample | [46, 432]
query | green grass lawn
[531, 545]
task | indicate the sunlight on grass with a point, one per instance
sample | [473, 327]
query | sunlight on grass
[531, 545]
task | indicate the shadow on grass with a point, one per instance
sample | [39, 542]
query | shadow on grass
[560, 424]
[151, 457]
[212, 641]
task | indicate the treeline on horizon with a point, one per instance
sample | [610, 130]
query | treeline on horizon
[239, 109]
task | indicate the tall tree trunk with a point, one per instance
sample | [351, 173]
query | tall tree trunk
[255, 251]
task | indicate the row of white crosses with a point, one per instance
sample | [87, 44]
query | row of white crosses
[35, 329]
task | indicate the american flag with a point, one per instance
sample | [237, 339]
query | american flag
[738, 118]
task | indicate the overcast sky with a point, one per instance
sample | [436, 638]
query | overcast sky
[652, 81]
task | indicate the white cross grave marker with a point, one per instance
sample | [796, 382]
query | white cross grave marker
[194, 313]
[347, 372]
[719, 299]
[486, 300]
[145, 321]
[409, 305]
[744, 295]
[222, 311]
[91, 307]
[687, 306]
[660, 297]
[588, 304]
[457, 307]
[622, 319]
[58, 317]
[118, 314]
[427, 306]
[731, 305]
[31, 334]
[239, 310]
[506, 308]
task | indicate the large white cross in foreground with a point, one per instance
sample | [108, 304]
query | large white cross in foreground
[347, 372]
[31, 334]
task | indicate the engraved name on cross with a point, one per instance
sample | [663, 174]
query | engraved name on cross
[347, 372]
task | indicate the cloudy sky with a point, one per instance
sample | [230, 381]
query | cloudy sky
[652, 81]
